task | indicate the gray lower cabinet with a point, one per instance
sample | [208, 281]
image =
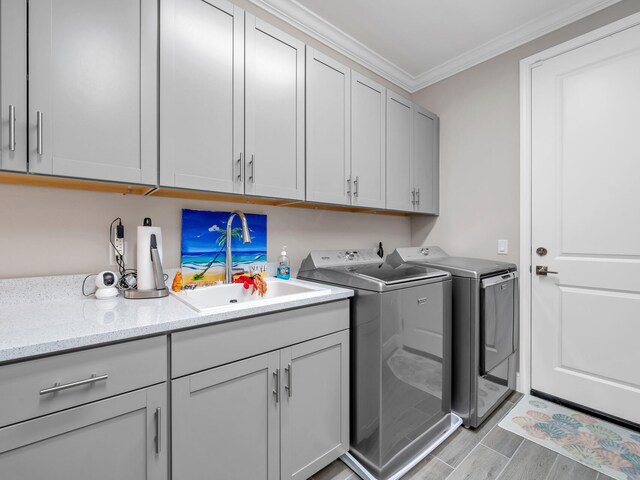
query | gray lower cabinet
[123, 437]
[13, 85]
[93, 89]
[315, 405]
[279, 415]
[226, 422]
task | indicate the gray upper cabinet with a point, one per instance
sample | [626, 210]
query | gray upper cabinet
[412, 157]
[328, 130]
[368, 142]
[274, 112]
[226, 422]
[399, 152]
[315, 404]
[202, 95]
[93, 89]
[13, 85]
[426, 163]
[123, 437]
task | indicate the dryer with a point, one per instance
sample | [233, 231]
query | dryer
[485, 313]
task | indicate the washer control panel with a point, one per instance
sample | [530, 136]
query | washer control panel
[336, 258]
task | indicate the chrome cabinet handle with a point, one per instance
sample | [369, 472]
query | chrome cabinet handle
[544, 270]
[40, 146]
[239, 162]
[356, 182]
[57, 387]
[276, 379]
[252, 163]
[413, 196]
[349, 186]
[289, 384]
[417, 196]
[158, 430]
[12, 128]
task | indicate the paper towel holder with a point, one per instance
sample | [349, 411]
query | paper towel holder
[158, 274]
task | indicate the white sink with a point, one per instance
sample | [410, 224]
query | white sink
[231, 297]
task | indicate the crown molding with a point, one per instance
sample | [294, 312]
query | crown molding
[315, 26]
[510, 40]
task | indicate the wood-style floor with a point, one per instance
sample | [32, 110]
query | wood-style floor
[487, 453]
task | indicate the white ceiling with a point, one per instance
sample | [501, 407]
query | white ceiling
[415, 43]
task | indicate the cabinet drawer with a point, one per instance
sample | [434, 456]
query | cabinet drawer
[118, 368]
[202, 348]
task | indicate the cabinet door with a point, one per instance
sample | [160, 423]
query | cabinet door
[274, 63]
[315, 404]
[399, 153]
[328, 136]
[426, 160]
[13, 85]
[368, 142]
[225, 422]
[93, 89]
[123, 437]
[202, 95]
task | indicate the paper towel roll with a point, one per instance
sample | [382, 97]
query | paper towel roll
[145, 278]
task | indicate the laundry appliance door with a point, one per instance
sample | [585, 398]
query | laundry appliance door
[498, 320]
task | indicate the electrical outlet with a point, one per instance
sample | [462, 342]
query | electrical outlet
[121, 247]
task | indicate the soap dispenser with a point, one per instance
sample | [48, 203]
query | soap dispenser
[284, 266]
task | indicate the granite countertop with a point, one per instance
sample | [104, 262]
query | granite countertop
[46, 315]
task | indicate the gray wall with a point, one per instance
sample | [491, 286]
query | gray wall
[479, 110]
[50, 231]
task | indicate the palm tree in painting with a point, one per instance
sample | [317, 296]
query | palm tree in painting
[221, 242]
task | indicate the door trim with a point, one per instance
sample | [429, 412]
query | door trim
[526, 67]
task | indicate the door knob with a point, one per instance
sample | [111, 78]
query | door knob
[544, 270]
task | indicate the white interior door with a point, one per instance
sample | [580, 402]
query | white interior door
[585, 198]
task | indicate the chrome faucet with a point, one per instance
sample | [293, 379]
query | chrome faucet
[246, 238]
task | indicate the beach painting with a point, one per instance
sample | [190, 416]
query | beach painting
[204, 244]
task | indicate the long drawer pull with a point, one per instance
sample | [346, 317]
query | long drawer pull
[40, 135]
[276, 380]
[289, 385]
[87, 381]
[158, 430]
[12, 128]
[239, 162]
[252, 162]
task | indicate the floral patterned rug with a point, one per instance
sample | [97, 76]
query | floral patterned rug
[603, 446]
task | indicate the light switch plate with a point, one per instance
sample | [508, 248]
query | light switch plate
[503, 247]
